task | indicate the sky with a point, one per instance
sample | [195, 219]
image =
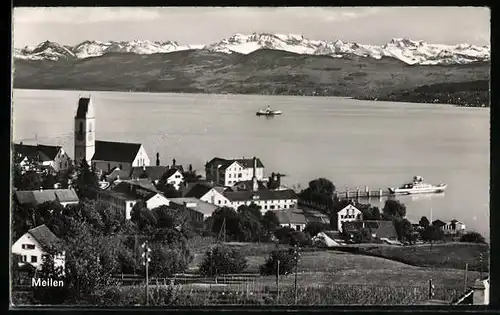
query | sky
[206, 25]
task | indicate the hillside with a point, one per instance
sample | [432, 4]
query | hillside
[264, 71]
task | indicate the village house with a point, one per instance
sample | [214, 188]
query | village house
[229, 172]
[199, 210]
[103, 155]
[51, 158]
[292, 218]
[123, 196]
[36, 197]
[375, 228]
[453, 227]
[35, 244]
[347, 214]
[213, 195]
[174, 177]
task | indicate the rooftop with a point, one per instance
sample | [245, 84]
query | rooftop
[245, 162]
[39, 151]
[35, 197]
[152, 172]
[44, 236]
[291, 216]
[201, 206]
[116, 151]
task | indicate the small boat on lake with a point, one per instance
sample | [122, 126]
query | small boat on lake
[268, 112]
[418, 186]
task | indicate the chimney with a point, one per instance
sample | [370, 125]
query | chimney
[254, 167]
[278, 180]
[157, 159]
[21, 143]
[173, 162]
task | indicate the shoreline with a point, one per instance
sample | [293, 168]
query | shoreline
[373, 99]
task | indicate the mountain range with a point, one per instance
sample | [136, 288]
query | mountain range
[406, 50]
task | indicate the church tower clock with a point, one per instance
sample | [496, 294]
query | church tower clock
[84, 131]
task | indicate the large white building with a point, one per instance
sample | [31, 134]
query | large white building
[104, 155]
[229, 172]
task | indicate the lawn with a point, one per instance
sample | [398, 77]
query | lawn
[447, 255]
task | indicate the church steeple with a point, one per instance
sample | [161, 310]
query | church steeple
[84, 130]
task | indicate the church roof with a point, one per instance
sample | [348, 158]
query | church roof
[83, 107]
[116, 151]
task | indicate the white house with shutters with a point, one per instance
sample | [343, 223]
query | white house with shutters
[348, 214]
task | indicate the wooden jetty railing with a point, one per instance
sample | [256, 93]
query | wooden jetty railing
[358, 193]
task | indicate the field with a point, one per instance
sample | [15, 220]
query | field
[261, 72]
[446, 255]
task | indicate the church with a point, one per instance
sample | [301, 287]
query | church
[103, 155]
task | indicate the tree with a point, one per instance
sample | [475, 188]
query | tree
[284, 234]
[168, 190]
[286, 260]
[393, 209]
[313, 228]
[86, 183]
[432, 233]
[50, 270]
[167, 260]
[222, 260]
[30, 180]
[424, 222]
[472, 237]
[270, 221]
[252, 210]
[143, 217]
[232, 225]
[91, 259]
[250, 228]
[404, 229]
[319, 191]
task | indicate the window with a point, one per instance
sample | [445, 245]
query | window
[177, 176]
[284, 206]
[66, 164]
[25, 258]
[28, 246]
[229, 175]
[265, 207]
[271, 207]
[33, 259]
[81, 128]
[239, 175]
[60, 164]
[219, 202]
[131, 204]
[297, 227]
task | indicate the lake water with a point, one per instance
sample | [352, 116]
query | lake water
[353, 143]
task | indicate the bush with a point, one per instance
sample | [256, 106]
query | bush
[222, 260]
[286, 259]
[472, 237]
[313, 228]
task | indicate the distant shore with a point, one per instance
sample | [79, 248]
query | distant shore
[459, 99]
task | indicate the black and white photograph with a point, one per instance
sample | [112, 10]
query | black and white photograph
[250, 156]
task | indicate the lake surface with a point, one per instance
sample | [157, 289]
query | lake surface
[353, 143]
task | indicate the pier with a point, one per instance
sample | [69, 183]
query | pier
[361, 193]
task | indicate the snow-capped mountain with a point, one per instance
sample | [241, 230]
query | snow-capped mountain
[406, 50]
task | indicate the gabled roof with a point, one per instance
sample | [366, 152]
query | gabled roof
[291, 216]
[264, 194]
[35, 197]
[83, 107]
[201, 206]
[349, 206]
[42, 152]
[153, 172]
[382, 229]
[136, 187]
[198, 191]
[245, 163]
[438, 223]
[116, 151]
[171, 171]
[44, 236]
